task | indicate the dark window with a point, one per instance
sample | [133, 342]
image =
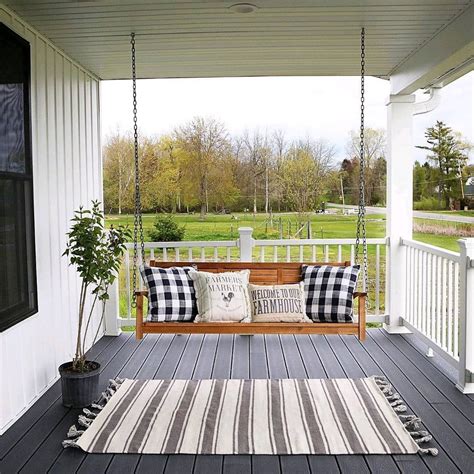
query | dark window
[18, 298]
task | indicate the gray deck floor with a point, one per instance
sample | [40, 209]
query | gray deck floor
[33, 444]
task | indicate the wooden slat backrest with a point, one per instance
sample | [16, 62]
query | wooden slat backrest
[260, 273]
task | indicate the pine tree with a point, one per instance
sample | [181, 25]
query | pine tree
[447, 153]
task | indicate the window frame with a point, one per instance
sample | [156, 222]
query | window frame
[13, 315]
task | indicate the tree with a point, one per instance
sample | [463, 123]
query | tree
[375, 166]
[118, 172]
[257, 153]
[449, 154]
[279, 148]
[303, 172]
[204, 143]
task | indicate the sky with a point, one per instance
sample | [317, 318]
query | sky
[316, 107]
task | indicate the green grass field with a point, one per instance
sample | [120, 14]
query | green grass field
[224, 227]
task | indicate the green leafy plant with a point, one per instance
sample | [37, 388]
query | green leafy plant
[97, 254]
[166, 230]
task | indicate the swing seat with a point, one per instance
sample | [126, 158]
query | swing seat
[260, 274]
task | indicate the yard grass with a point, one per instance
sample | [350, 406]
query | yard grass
[225, 227]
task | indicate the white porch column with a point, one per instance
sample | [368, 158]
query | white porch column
[466, 316]
[245, 243]
[111, 316]
[399, 204]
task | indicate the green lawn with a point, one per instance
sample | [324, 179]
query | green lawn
[224, 227]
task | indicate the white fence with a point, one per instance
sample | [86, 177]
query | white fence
[246, 249]
[432, 296]
[439, 303]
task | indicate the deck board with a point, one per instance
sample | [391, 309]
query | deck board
[32, 444]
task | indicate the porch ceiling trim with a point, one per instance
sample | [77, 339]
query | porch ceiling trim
[443, 59]
[203, 38]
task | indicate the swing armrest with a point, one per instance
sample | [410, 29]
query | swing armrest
[141, 293]
[361, 295]
[139, 313]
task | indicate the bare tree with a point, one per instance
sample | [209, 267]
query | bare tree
[257, 152]
[118, 171]
[279, 149]
[205, 142]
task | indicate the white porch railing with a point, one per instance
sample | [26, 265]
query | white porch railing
[432, 296]
[438, 291]
[248, 249]
[439, 301]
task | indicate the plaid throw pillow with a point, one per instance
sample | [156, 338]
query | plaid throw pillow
[329, 292]
[170, 294]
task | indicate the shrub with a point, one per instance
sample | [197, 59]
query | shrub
[427, 204]
[166, 230]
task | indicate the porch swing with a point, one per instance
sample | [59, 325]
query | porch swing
[261, 273]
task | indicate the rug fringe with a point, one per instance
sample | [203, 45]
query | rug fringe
[87, 416]
[411, 422]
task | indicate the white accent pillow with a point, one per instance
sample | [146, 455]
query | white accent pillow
[222, 297]
[278, 303]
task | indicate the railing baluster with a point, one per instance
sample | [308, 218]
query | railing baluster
[443, 304]
[190, 254]
[326, 253]
[301, 254]
[152, 254]
[439, 296]
[275, 253]
[450, 308]
[203, 254]
[177, 257]
[377, 279]
[165, 254]
[339, 253]
[228, 254]
[456, 311]
[424, 313]
[313, 253]
[127, 283]
[262, 253]
[216, 254]
[352, 254]
[411, 284]
[417, 289]
[288, 253]
[434, 296]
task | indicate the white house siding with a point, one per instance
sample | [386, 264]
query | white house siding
[67, 173]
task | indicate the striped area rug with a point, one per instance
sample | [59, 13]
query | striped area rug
[338, 416]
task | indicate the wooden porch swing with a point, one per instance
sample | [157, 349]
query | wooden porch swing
[260, 273]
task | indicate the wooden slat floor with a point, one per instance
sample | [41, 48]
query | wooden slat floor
[33, 443]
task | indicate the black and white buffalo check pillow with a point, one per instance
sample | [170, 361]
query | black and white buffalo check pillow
[329, 292]
[170, 294]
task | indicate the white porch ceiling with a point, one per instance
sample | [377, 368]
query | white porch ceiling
[206, 39]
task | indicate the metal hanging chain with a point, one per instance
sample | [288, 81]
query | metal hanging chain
[361, 228]
[137, 222]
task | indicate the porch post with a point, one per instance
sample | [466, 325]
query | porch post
[399, 204]
[245, 243]
[111, 316]
[466, 316]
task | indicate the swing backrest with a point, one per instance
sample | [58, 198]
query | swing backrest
[261, 273]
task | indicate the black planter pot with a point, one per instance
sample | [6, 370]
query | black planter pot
[79, 389]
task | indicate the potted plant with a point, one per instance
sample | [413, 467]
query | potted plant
[96, 252]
